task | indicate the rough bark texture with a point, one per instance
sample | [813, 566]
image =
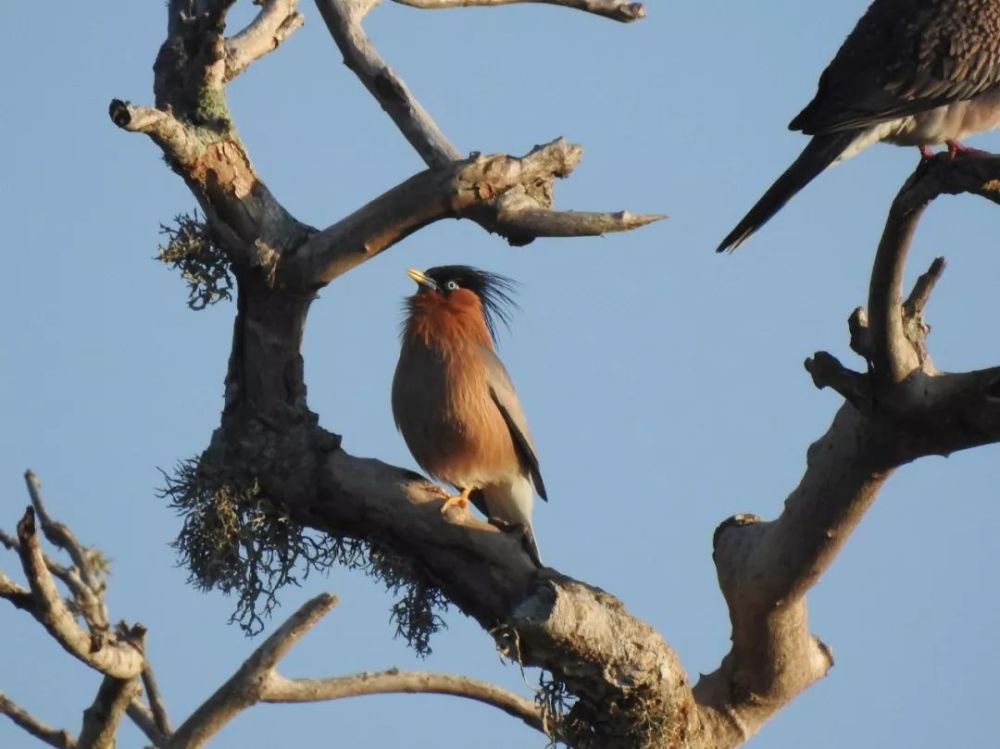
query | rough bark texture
[628, 684]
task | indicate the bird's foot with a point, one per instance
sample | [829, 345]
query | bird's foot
[955, 148]
[458, 500]
[926, 153]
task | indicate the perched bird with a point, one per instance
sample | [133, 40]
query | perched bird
[454, 402]
[913, 73]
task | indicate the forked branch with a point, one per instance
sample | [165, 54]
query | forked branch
[276, 21]
[901, 410]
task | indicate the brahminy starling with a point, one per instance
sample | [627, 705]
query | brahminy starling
[454, 402]
[913, 73]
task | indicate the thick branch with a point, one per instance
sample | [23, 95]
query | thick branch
[343, 19]
[101, 719]
[612, 661]
[277, 688]
[500, 192]
[277, 21]
[243, 689]
[177, 142]
[21, 717]
[121, 658]
[616, 10]
[904, 409]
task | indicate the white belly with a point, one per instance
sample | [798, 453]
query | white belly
[510, 501]
[935, 126]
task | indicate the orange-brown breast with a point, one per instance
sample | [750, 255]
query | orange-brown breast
[440, 396]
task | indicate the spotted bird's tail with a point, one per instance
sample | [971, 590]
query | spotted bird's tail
[821, 151]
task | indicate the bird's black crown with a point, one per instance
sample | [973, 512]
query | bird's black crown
[494, 291]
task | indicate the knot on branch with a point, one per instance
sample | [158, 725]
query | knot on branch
[739, 520]
[630, 689]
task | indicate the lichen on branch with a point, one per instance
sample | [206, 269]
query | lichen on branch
[202, 263]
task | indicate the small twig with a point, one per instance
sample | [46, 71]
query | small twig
[142, 716]
[857, 326]
[101, 719]
[155, 697]
[20, 597]
[921, 293]
[60, 739]
[278, 689]
[343, 19]
[243, 689]
[58, 570]
[84, 581]
[827, 371]
[616, 10]
[121, 659]
[277, 21]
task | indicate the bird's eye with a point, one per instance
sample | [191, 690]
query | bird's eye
[451, 285]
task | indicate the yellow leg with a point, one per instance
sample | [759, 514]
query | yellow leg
[462, 500]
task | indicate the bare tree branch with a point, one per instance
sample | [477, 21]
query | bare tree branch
[58, 534]
[902, 410]
[101, 719]
[540, 222]
[616, 10]
[122, 659]
[914, 305]
[278, 689]
[20, 597]
[85, 579]
[60, 739]
[142, 716]
[243, 689]
[343, 19]
[156, 704]
[62, 573]
[165, 130]
[277, 20]
[476, 188]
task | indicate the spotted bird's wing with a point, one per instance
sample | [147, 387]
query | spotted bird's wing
[905, 57]
[505, 397]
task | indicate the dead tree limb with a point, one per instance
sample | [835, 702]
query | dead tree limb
[629, 686]
[616, 10]
[60, 739]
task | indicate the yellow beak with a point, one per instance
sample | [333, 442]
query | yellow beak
[422, 278]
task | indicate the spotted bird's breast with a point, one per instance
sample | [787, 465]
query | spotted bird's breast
[443, 408]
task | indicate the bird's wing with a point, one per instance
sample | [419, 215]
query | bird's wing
[505, 397]
[905, 57]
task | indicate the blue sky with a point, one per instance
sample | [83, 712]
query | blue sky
[664, 384]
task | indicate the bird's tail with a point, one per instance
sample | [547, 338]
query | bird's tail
[821, 151]
[528, 542]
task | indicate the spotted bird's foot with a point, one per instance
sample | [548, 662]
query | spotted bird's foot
[955, 148]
